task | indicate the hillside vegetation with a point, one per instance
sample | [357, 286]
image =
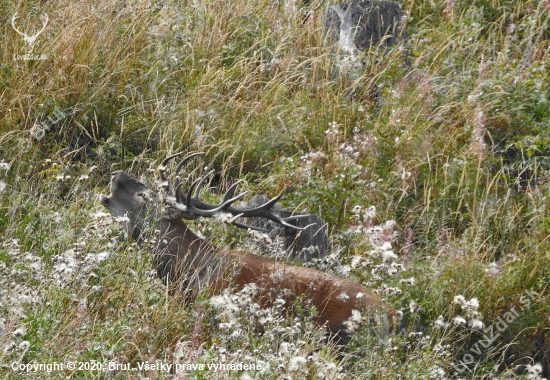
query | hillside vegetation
[429, 160]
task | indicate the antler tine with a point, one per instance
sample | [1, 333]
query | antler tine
[246, 227]
[201, 182]
[209, 210]
[181, 198]
[264, 211]
[226, 197]
[190, 200]
[196, 207]
[162, 166]
[186, 160]
[231, 189]
[180, 165]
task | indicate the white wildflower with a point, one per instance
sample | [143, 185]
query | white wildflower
[398, 267]
[295, 363]
[437, 372]
[18, 333]
[10, 346]
[279, 302]
[277, 276]
[458, 320]
[283, 348]
[386, 246]
[356, 316]
[534, 369]
[343, 297]
[473, 303]
[392, 291]
[439, 322]
[344, 270]
[476, 324]
[369, 214]
[218, 301]
[354, 321]
[356, 261]
[390, 224]
[100, 215]
[493, 269]
[225, 218]
[388, 256]
[460, 300]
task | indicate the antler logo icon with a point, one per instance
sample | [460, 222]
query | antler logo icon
[30, 40]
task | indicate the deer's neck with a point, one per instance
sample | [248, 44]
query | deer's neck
[184, 261]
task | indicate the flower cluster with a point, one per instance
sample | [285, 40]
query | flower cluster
[17, 294]
[473, 318]
[26, 275]
[359, 146]
[74, 265]
[285, 349]
[341, 160]
[471, 309]
[381, 259]
[14, 338]
[264, 244]
[534, 371]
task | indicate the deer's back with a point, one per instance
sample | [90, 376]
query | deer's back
[334, 298]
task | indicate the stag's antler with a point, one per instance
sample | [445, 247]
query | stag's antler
[30, 39]
[191, 203]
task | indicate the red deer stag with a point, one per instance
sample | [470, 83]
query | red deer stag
[187, 263]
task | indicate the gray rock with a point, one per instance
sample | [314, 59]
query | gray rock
[358, 25]
[301, 245]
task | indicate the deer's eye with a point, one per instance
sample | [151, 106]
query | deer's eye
[143, 195]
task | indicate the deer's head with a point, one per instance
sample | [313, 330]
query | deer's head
[128, 203]
[137, 206]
